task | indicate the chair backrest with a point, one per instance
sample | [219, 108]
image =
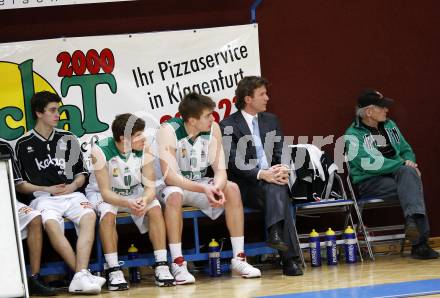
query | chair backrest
[348, 179]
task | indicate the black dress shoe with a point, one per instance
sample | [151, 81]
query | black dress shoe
[423, 252]
[275, 240]
[291, 268]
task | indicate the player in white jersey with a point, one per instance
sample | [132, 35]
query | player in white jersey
[186, 148]
[123, 180]
[51, 163]
[30, 228]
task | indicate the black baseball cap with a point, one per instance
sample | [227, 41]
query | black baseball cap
[373, 97]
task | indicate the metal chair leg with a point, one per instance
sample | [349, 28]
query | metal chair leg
[301, 255]
[360, 221]
[364, 231]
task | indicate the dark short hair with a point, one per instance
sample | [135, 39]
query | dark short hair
[193, 104]
[246, 87]
[40, 100]
[121, 121]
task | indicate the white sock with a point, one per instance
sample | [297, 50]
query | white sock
[112, 259]
[175, 250]
[237, 245]
[160, 255]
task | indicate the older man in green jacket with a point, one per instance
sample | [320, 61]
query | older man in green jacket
[383, 164]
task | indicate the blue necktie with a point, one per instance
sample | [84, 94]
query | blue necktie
[262, 160]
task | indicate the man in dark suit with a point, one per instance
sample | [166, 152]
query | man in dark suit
[253, 144]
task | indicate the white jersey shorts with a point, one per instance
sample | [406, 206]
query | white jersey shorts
[102, 208]
[25, 215]
[72, 206]
[193, 199]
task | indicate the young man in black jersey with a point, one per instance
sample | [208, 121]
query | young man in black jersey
[30, 227]
[51, 162]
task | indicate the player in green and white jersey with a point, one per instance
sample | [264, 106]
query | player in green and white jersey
[123, 180]
[187, 147]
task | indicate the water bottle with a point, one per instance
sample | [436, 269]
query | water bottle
[315, 249]
[330, 241]
[214, 259]
[135, 274]
[350, 245]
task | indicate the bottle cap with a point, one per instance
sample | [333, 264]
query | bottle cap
[330, 232]
[132, 248]
[349, 230]
[213, 243]
[314, 234]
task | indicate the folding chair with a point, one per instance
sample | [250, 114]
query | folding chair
[325, 206]
[370, 202]
[314, 208]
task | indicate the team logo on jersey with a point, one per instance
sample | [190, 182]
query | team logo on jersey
[30, 149]
[183, 152]
[115, 172]
[42, 165]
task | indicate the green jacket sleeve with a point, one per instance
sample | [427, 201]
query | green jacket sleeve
[406, 151]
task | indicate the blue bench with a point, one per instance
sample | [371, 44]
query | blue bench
[194, 254]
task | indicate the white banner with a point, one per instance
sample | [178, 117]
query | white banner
[102, 76]
[11, 4]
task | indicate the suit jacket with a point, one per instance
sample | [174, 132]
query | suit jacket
[240, 151]
[241, 155]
